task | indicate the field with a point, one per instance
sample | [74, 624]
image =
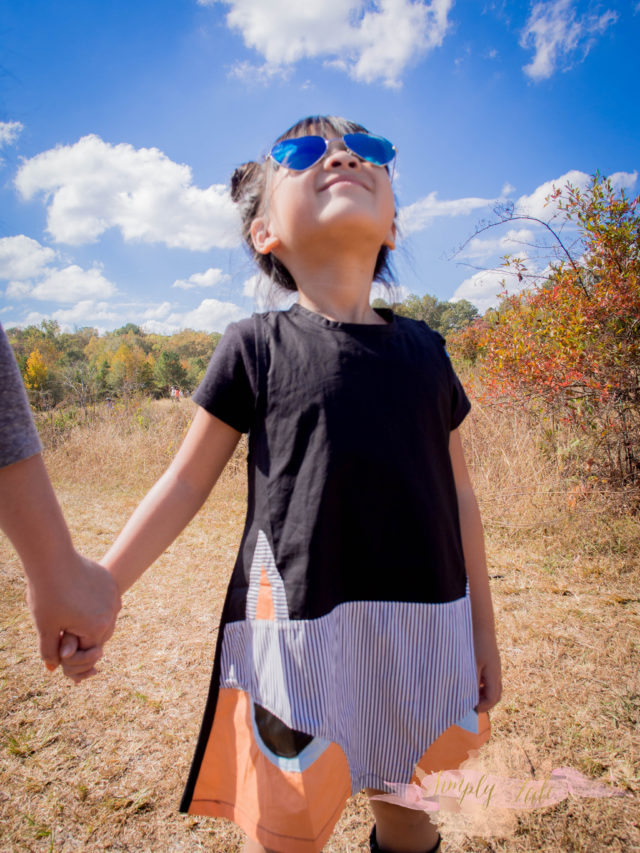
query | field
[101, 766]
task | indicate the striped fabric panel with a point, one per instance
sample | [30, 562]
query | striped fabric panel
[381, 679]
[263, 558]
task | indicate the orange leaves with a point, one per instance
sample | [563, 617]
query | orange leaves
[572, 341]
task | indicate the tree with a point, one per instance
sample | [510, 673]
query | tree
[81, 383]
[36, 379]
[442, 317]
[35, 374]
[168, 371]
[570, 343]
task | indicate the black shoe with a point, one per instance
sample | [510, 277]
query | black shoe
[373, 844]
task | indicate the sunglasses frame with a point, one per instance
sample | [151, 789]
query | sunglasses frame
[327, 143]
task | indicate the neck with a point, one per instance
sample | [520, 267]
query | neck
[338, 288]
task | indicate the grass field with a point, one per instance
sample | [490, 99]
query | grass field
[101, 766]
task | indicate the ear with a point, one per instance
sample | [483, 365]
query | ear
[390, 239]
[263, 240]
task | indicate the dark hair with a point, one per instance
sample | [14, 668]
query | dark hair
[248, 184]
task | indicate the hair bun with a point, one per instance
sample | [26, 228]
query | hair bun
[243, 179]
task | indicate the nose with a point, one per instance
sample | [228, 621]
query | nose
[339, 158]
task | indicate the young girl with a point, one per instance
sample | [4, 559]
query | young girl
[357, 641]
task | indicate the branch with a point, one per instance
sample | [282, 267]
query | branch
[506, 214]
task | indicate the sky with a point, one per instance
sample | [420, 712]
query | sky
[121, 123]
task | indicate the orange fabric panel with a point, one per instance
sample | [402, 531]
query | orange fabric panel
[264, 606]
[291, 812]
[453, 747]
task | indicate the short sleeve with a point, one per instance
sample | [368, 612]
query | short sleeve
[18, 435]
[229, 388]
[460, 404]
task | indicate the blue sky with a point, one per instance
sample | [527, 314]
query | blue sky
[121, 123]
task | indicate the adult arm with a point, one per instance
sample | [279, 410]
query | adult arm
[484, 635]
[66, 592]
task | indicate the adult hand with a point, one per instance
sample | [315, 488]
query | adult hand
[83, 600]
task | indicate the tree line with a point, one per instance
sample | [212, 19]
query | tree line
[83, 367]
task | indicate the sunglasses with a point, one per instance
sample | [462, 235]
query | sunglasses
[303, 152]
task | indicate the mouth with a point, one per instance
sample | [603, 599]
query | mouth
[343, 179]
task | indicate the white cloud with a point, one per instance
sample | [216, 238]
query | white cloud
[257, 287]
[157, 312]
[22, 258]
[557, 35]
[536, 205]
[623, 180]
[266, 295]
[259, 75]
[92, 186]
[394, 293]
[420, 214]
[85, 313]
[373, 40]
[31, 271]
[9, 132]
[18, 290]
[209, 278]
[483, 287]
[511, 243]
[211, 315]
[72, 283]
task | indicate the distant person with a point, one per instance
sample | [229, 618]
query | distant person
[66, 592]
[357, 640]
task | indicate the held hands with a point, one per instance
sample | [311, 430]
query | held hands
[76, 617]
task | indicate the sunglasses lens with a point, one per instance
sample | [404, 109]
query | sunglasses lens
[375, 149]
[299, 153]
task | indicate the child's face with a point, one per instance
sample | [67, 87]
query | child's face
[341, 195]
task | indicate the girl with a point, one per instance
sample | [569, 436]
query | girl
[360, 594]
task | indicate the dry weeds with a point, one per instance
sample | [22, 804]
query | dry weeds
[101, 766]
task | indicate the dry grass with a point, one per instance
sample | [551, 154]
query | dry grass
[101, 767]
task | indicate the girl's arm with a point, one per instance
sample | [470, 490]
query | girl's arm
[161, 516]
[173, 501]
[484, 635]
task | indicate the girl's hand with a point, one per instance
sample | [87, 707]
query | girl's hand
[77, 663]
[488, 670]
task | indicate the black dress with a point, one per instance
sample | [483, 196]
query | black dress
[345, 655]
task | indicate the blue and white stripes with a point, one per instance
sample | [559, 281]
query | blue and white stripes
[381, 679]
[263, 559]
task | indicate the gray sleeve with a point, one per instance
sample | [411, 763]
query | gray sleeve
[18, 436]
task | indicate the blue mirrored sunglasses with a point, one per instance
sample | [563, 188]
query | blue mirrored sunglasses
[303, 152]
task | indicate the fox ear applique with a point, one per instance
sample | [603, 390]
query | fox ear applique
[266, 598]
[284, 787]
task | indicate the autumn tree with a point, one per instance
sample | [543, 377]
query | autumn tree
[36, 378]
[570, 343]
